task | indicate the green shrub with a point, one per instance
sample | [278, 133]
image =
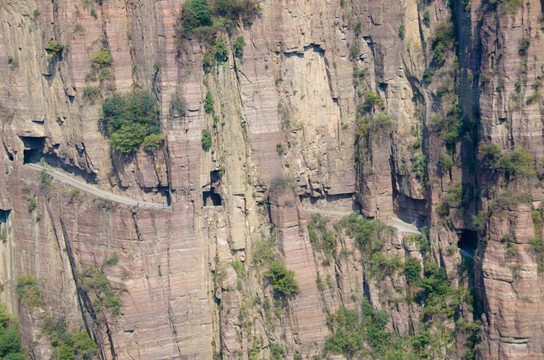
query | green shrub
[354, 52]
[36, 13]
[75, 194]
[208, 103]
[54, 48]
[67, 344]
[451, 199]
[282, 280]
[280, 148]
[402, 31]
[428, 75]
[157, 66]
[535, 97]
[514, 164]
[28, 294]
[490, 155]
[263, 250]
[206, 139]
[102, 59]
[153, 141]
[276, 351]
[239, 45]
[442, 40]
[10, 341]
[92, 281]
[131, 118]
[177, 108]
[445, 161]
[537, 248]
[220, 49]
[427, 18]
[412, 271]
[195, 14]
[377, 124]
[371, 100]
[202, 19]
[508, 200]
[352, 332]
[31, 203]
[112, 260]
[240, 269]
[91, 92]
[480, 220]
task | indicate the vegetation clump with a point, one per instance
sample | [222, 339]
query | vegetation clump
[203, 19]
[28, 294]
[370, 237]
[206, 139]
[402, 31]
[517, 164]
[442, 40]
[102, 59]
[10, 340]
[67, 344]
[282, 280]
[451, 199]
[321, 236]
[92, 281]
[373, 125]
[133, 119]
[428, 75]
[208, 103]
[371, 100]
[54, 48]
[239, 45]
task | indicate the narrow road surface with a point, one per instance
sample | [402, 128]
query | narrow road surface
[395, 222]
[327, 212]
[67, 179]
[467, 253]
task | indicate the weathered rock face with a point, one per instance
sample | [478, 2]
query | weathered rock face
[330, 109]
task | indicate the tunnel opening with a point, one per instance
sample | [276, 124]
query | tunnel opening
[4, 214]
[210, 198]
[468, 243]
[33, 151]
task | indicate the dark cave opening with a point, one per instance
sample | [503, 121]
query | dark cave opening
[4, 214]
[33, 151]
[210, 198]
[468, 243]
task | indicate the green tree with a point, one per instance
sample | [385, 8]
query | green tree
[282, 280]
[131, 119]
[10, 343]
[208, 103]
[54, 48]
[206, 139]
[101, 59]
[239, 45]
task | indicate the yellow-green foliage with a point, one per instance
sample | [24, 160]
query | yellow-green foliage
[28, 294]
[10, 342]
[92, 281]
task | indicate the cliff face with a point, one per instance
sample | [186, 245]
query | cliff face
[382, 107]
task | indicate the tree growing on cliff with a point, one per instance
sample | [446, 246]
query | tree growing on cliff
[131, 119]
[10, 342]
[282, 280]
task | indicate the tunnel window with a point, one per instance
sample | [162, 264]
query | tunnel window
[211, 199]
[33, 151]
[468, 242]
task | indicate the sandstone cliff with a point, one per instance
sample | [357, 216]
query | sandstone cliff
[385, 107]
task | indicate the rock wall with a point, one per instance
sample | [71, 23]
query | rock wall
[290, 111]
